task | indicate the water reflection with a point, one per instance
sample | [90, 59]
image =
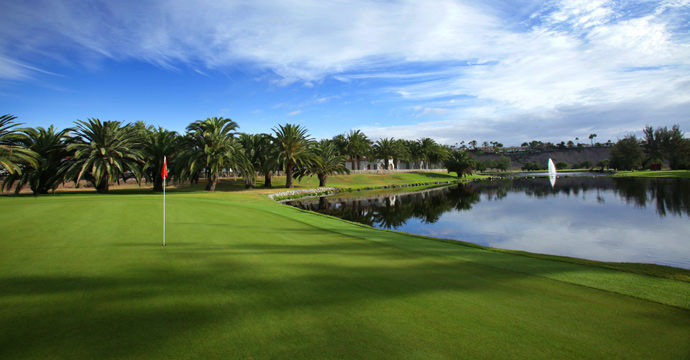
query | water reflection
[393, 211]
[601, 218]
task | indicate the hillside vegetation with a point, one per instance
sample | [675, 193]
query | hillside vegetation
[570, 156]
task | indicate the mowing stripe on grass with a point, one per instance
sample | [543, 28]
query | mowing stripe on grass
[244, 277]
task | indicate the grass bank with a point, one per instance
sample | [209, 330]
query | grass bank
[363, 181]
[85, 276]
[684, 174]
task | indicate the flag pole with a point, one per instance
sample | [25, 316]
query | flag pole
[164, 174]
[163, 211]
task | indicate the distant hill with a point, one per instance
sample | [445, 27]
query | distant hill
[571, 156]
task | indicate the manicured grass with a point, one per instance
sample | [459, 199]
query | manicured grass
[361, 181]
[354, 181]
[656, 174]
[661, 271]
[85, 276]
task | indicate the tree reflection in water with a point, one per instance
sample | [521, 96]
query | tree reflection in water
[391, 211]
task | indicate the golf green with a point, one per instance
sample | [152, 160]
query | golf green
[85, 276]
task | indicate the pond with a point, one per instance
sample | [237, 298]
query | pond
[597, 218]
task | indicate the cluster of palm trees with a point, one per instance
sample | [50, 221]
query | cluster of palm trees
[420, 153]
[105, 152]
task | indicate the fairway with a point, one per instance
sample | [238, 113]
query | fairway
[84, 276]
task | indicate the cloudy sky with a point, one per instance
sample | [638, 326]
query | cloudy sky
[496, 70]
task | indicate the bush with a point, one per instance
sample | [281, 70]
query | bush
[532, 166]
[503, 163]
[626, 154]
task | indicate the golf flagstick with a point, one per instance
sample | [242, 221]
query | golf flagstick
[164, 174]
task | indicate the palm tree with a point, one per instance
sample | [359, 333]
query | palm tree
[50, 147]
[292, 148]
[438, 154]
[460, 162]
[340, 142]
[159, 143]
[210, 146]
[327, 162]
[416, 155]
[267, 164]
[430, 151]
[12, 153]
[385, 149]
[103, 151]
[400, 152]
[181, 168]
[358, 146]
[142, 130]
[257, 148]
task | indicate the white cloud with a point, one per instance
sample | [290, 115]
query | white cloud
[582, 14]
[14, 70]
[609, 121]
[460, 61]
[296, 112]
[548, 67]
[298, 40]
[17, 70]
[583, 59]
[430, 111]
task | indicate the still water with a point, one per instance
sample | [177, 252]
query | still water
[602, 218]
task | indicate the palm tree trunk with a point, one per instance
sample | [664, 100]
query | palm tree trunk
[212, 181]
[322, 179]
[288, 175]
[267, 179]
[102, 188]
[157, 183]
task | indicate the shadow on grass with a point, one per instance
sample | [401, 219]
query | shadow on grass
[91, 317]
[273, 300]
[224, 185]
[288, 289]
[154, 310]
[439, 175]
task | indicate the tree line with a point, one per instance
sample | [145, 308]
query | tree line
[104, 152]
[534, 145]
[658, 146]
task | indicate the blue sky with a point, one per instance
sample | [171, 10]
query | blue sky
[508, 71]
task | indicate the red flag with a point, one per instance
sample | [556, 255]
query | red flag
[164, 172]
